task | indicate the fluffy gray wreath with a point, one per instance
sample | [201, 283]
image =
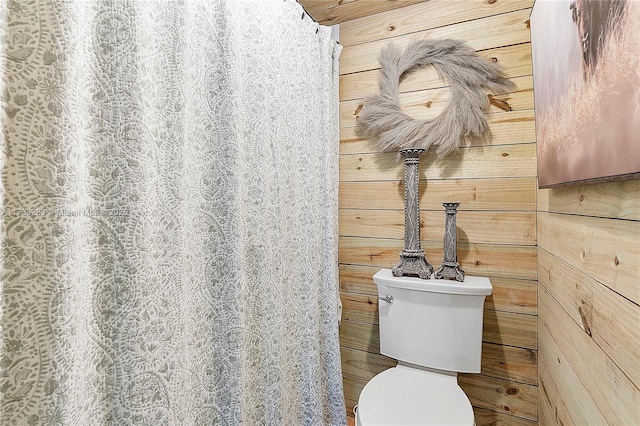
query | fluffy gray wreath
[469, 75]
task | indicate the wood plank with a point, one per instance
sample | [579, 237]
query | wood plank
[546, 411]
[502, 328]
[502, 396]
[422, 16]
[618, 200]
[509, 128]
[359, 307]
[507, 328]
[510, 363]
[476, 162]
[428, 104]
[569, 399]
[476, 259]
[503, 362]
[481, 34]
[474, 194]
[611, 320]
[349, 10]
[515, 61]
[316, 5]
[485, 417]
[358, 279]
[607, 250]
[352, 388]
[512, 295]
[508, 295]
[570, 288]
[364, 365]
[360, 336]
[360, 319]
[554, 411]
[505, 128]
[612, 391]
[501, 227]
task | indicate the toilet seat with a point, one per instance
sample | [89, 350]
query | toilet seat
[410, 396]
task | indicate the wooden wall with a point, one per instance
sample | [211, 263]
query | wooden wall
[577, 247]
[589, 304]
[495, 181]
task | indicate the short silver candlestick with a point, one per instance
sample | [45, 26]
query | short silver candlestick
[412, 259]
[450, 268]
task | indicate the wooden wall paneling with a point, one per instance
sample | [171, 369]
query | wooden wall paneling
[423, 16]
[548, 400]
[566, 394]
[360, 336]
[476, 259]
[476, 162]
[572, 292]
[618, 200]
[510, 363]
[513, 295]
[428, 104]
[473, 226]
[358, 279]
[547, 412]
[381, 253]
[480, 34]
[514, 194]
[511, 127]
[515, 61]
[505, 128]
[612, 321]
[605, 249]
[510, 329]
[508, 295]
[359, 307]
[317, 5]
[491, 418]
[615, 395]
[502, 328]
[352, 388]
[494, 179]
[516, 399]
[363, 365]
[347, 10]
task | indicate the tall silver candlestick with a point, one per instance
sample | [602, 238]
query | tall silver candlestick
[450, 268]
[412, 258]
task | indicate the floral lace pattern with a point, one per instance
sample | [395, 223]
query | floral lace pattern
[169, 214]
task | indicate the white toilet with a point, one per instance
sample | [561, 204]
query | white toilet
[434, 329]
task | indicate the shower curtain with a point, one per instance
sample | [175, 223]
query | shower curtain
[169, 214]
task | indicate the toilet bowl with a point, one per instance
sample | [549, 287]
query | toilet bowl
[434, 329]
[410, 396]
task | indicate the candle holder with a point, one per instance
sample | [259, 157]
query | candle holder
[450, 268]
[412, 258]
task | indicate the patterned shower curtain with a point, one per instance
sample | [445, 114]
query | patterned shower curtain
[169, 214]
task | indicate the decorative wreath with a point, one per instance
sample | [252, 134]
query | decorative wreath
[469, 75]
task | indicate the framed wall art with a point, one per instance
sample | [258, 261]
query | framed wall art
[586, 71]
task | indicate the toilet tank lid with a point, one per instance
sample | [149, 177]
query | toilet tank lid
[472, 286]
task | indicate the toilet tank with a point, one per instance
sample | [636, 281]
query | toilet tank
[432, 323]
